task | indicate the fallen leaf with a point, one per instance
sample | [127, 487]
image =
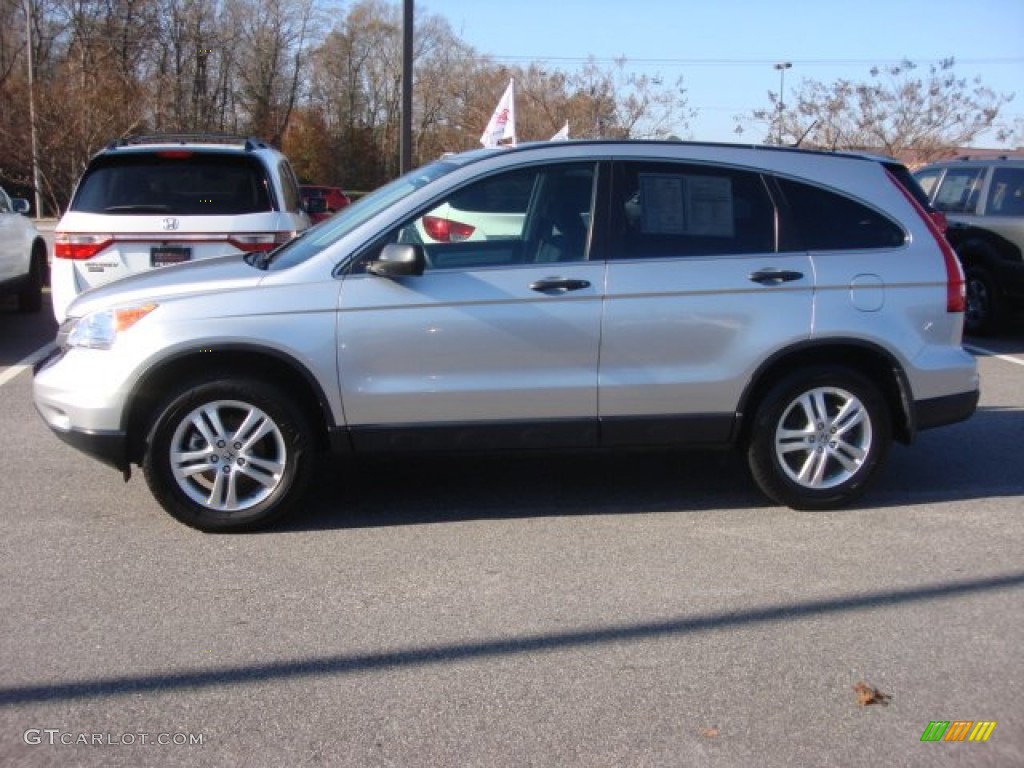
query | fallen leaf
[709, 733]
[868, 695]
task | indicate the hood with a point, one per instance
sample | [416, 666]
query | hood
[216, 275]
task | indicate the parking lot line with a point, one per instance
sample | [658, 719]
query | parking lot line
[990, 353]
[25, 364]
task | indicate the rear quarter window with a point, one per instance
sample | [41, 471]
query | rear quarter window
[289, 187]
[827, 221]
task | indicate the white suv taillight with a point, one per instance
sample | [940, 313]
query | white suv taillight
[67, 245]
[447, 230]
[259, 241]
[956, 293]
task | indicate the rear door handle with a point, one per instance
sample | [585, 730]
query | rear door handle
[774, 276]
[558, 285]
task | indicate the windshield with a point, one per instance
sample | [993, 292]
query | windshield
[324, 235]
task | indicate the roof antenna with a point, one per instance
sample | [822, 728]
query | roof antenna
[804, 135]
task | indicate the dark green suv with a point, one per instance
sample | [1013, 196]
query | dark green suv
[983, 201]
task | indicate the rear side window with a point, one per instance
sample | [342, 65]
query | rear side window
[670, 210]
[827, 221]
[179, 182]
[1006, 195]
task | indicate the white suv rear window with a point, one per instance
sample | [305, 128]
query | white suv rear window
[179, 182]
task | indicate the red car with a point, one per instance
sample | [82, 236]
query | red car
[334, 200]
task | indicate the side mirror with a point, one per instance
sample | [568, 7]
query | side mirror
[399, 260]
[20, 205]
[316, 205]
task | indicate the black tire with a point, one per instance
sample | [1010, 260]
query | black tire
[30, 297]
[824, 462]
[984, 314]
[239, 471]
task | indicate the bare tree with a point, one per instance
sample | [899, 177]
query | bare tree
[896, 111]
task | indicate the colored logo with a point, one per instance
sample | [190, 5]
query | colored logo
[958, 730]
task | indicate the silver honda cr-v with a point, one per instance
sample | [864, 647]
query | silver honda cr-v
[801, 306]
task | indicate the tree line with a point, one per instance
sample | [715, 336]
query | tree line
[323, 82]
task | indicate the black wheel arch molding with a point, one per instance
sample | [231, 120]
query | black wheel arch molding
[269, 363]
[858, 354]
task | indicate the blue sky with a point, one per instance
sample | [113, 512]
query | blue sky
[725, 50]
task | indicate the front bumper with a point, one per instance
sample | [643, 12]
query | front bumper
[111, 448]
[76, 394]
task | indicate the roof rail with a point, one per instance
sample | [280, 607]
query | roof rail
[250, 142]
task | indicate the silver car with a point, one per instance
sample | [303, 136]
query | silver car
[799, 306]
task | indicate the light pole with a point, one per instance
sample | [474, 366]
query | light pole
[32, 108]
[782, 66]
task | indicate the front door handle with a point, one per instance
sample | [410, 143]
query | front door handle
[774, 276]
[558, 285]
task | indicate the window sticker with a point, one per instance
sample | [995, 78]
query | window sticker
[686, 205]
[709, 206]
[662, 204]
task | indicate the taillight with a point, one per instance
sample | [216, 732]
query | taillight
[74, 246]
[259, 241]
[941, 222]
[446, 230]
[956, 296]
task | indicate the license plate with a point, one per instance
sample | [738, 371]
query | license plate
[162, 255]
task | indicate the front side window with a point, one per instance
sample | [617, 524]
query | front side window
[527, 216]
[827, 221]
[676, 210]
[960, 190]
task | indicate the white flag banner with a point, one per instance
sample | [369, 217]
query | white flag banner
[503, 122]
[563, 134]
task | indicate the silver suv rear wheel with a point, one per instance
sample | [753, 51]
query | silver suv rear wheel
[819, 437]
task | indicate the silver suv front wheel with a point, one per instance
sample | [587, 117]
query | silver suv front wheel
[818, 438]
[228, 455]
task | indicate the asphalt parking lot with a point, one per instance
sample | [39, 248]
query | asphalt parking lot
[627, 610]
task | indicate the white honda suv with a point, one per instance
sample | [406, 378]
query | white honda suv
[151, 201]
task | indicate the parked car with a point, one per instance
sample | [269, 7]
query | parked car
[23, 259]
[799, 306]
[983, 200]
[316, 209]
[491, 211]
[334, 199]
[152, 201]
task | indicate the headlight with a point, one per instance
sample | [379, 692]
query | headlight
[99, 329]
